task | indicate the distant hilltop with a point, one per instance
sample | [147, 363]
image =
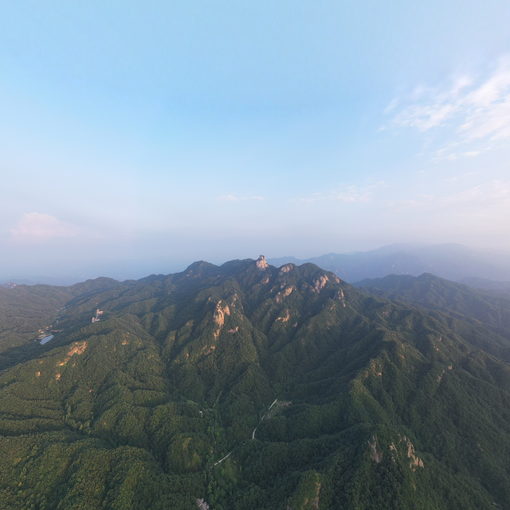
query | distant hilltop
[452, 261]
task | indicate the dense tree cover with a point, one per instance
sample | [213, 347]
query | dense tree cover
[25, 309]
[489, 307]
[252, 387]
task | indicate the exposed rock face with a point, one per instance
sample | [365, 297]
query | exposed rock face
[287, 268]
[202, 504]
[287, 291]
[261, 262]
[284, 318]
[221, 310]
[415, 461]
[77, 348]
[375, 453]
[376, 368]
[320, 283]
[208, 349]
[341, 297]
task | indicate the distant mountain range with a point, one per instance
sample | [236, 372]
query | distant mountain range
[249, 386]
[451, 261]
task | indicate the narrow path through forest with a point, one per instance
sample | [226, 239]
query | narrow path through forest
[252, 434]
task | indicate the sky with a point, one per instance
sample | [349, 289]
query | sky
[137, 137]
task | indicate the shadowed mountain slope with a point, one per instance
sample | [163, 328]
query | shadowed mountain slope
[488, 307]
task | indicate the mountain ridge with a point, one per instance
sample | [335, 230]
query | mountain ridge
[436, 293]
[451, 261]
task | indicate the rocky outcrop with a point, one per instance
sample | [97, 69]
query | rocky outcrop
[261, 262]
[414, 461]
[340, 296]
[202, 504]
[320, 283]
[283, 318]
[77, 348]
[287, 291]
[220, 312]
[375, 452]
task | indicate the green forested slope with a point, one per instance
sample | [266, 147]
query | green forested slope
[490, 308]
[248, 386]
[31, 311]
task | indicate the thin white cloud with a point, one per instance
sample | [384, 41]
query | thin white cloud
[474, 115]
[493, 194]
[491, 197]
[350, 194]
[231, 197]
[392, 105]
[40, 227]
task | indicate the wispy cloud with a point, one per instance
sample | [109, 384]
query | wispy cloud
[350, 194]
[40, 227]
[473, 114]
[491, 197]
[231, 197]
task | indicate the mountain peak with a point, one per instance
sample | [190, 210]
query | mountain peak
[261, 262]
[199, 267]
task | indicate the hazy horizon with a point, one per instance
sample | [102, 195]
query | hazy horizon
[142, 137]
[135, 269]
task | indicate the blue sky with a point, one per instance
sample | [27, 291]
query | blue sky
[138, 137]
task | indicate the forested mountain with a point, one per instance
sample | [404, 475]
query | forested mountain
[247, 386]
[493, 285]
[28, 311]
[452, 261]
[491, 308]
